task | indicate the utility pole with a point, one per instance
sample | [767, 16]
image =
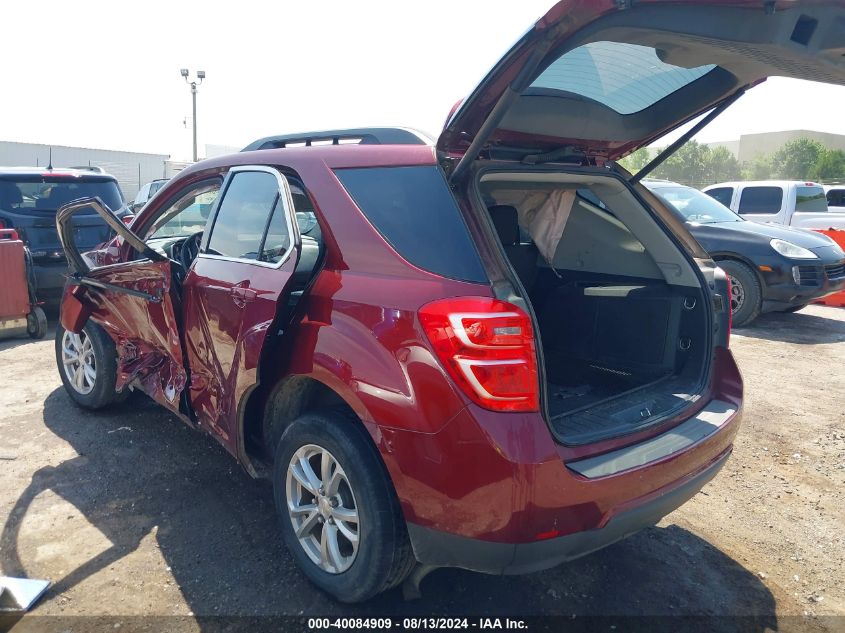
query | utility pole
[200, 76]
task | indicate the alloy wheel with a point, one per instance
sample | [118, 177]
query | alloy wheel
[322, 509]
[737, 295]
[79, 362]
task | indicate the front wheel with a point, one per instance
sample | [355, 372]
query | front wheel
[746, 294]
[87, 364]
[339, 514]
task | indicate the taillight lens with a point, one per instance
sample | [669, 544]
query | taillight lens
[487, 346]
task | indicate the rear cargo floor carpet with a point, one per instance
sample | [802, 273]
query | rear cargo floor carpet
[589, 413]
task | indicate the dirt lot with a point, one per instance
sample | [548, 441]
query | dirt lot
[131, 513]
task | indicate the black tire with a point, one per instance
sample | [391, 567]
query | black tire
[752, 295]
[105, 358]
[384, 556]
[796, 308]
[36, 323]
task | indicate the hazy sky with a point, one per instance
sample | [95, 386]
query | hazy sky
[106, 73]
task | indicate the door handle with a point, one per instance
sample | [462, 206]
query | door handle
[242, 295]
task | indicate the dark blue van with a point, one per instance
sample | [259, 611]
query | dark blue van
[29, 198]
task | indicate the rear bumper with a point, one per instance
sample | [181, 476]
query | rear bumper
[495, 493]
[442, 549]
[50, 279]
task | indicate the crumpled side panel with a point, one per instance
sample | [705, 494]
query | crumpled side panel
[145, 332]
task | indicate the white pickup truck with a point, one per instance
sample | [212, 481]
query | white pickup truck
[835, 198]
[787, 202]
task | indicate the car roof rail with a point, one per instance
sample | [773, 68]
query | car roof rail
[355, 136]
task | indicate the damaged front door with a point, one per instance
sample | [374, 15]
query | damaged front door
[234, 292]
[133, 302]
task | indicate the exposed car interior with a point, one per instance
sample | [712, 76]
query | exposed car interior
[620, 309]
[178, 232]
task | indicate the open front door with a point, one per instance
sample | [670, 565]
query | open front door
[133, 303]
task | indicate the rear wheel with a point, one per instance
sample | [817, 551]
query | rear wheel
[746, 294]
[87, 364]
[339, 514]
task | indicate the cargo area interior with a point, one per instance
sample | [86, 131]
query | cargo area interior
[621, 312]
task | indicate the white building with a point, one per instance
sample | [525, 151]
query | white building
[751, 145]
[132, 169]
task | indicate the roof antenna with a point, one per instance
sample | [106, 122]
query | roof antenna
[50, 161]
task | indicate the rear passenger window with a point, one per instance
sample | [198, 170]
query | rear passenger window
[413, 209]
[761, 200]
[277, 242]
[243, 214]
[836, 197]
[722, 194]
[810, 199]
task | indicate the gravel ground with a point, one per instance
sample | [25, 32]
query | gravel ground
[130, 513]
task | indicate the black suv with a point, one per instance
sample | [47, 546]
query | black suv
[29, 198]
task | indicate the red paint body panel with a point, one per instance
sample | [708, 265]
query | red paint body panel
[146, 333]
[376, 355]
[501, 477]
[224, 335]
[76, 309]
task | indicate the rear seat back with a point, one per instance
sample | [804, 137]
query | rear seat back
[628, 328]
[523, 257]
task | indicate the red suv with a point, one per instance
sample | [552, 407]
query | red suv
[499, 352]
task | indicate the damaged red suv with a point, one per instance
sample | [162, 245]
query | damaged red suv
[496, 352]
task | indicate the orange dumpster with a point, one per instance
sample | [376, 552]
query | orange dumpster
[836, 299]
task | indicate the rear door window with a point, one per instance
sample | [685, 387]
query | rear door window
[278, 239]
[722, 194]
[836, 198]
[243, 215]
[760, 200]
[413, 209]
[811, 199]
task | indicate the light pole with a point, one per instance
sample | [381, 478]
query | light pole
[194, 84]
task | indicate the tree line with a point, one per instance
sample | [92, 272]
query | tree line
[700, 165]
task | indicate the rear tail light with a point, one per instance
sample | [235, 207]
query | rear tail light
[487, 346]
[3, 224]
